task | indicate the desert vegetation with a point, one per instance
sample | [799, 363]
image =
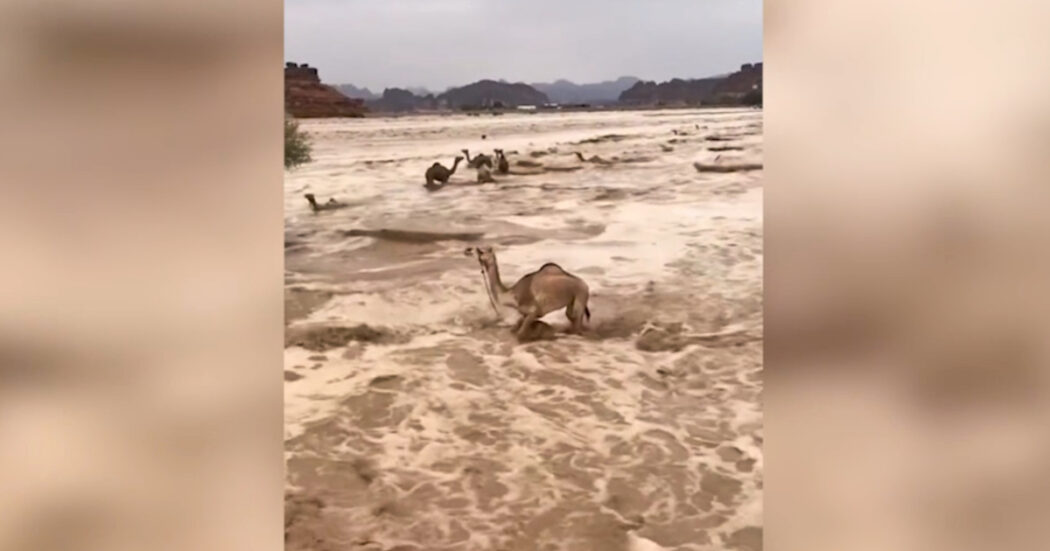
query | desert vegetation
[296, 145]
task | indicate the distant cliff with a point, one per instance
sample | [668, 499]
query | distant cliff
[491, 93]
[739, 87]
[353, 92]
[673, 92]
[564, 91]
[399, 100]
[306, 97]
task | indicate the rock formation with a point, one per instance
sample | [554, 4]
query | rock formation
[567, 92]
[491, 93]
[306, 97]
[730, 89]
[353, 92]
[398, 100]
[673, 92]
[748, 78]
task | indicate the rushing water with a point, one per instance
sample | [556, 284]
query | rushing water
[415, 420]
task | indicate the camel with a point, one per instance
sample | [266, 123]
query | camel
[332, 204]
[438, 173]
[479, 160]
[594, 159]
[536, 294]
[501, 161]
[485, 176]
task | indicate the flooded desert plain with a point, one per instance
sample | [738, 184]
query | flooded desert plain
[415, 420]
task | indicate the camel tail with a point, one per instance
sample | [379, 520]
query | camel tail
[587, 312]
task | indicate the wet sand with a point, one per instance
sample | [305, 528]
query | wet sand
[414, 420]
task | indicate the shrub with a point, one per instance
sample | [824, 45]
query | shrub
[296, 146]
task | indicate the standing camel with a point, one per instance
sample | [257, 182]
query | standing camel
[438, 173]
[501, 161]
[480, 159]
[535, 295]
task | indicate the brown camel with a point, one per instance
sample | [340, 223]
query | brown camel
[485, 175]
[535, 295]
[438, 173]
[502, 166]
[594, 159]
[479, 160]
[332, 204]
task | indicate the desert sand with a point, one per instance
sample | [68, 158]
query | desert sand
[414, 420]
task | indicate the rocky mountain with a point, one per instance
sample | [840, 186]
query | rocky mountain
[305, 96]
[747, 80]
[673, 92]
[730, 89]
[351, 91]
[491, 93]
[564, 91]
[419, 90]
[399, 100]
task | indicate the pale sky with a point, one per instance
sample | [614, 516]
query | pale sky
[442, 43]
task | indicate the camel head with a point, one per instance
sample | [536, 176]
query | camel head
[485, 255]
[458, 158]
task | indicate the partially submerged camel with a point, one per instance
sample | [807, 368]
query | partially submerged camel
[594, 159]
[332, 204]
[485, 176]
[438, 173]
[534, 295]
[501, 161]
[479, 160]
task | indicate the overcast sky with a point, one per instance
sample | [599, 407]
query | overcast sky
[442, 43]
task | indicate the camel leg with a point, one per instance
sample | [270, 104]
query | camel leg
[575, 312]
[526, 322]
[577, 320]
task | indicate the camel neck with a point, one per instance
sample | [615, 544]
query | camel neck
[454, 165]
[494, 278]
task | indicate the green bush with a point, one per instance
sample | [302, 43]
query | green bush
[296, 146]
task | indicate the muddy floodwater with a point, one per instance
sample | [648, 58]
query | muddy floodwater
[414, 420]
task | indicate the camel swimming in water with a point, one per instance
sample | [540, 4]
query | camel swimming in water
[438, 173]
[332, 204]
[485, 176]
[480, 159]
[535, 295]
[594, 159]
[501, 161]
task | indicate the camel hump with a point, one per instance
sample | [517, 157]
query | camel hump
[551, 267]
